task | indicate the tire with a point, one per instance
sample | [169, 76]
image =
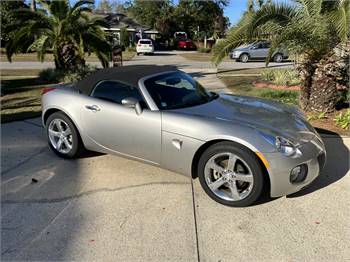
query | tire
[68, 135]
[278, 58]
[244, 58]
[137, 53]
[246, 167]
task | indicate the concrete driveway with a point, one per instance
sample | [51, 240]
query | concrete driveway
[107, 208]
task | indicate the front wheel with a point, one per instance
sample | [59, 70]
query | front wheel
[244, 58]
[63, 137]
[230, 174]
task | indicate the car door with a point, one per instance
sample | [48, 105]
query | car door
[118, 128]
[259, 51]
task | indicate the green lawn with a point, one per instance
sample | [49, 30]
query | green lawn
[22, 104]
[199, 56]
[32, 57]
[242, 85]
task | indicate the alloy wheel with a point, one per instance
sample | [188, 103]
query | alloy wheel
[60, 136]
[228, 176]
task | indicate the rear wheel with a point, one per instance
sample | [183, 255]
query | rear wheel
[244, 58]
[230, 174]
[63, 137]
[278, 58]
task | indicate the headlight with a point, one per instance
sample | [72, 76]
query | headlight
[285, 146]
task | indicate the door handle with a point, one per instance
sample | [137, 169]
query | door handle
[93, 108]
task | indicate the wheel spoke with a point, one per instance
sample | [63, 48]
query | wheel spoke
[216, 167]
[216, 184]
[59, 144]
[66, 143]
[58, 125]
[231, 162]
[54, 133]
[244, 177]
[67, 132]
[234, 191]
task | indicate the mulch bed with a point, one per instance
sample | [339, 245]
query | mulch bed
[274, 86]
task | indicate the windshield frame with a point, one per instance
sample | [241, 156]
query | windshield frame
[152, 104]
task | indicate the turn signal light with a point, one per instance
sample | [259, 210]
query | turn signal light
[46, 90]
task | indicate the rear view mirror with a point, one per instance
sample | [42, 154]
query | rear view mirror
[132, 102]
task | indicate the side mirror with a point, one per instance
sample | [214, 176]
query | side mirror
[132, 103]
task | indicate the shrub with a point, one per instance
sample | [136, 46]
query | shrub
[131, 49]
[343, 120]
[281, 76]
[52, 75]
[283, 96]
[204, 50]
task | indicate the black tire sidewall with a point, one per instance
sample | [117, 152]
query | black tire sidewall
[77, 144]
[248, 157]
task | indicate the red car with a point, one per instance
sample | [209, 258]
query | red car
[182, 42]
[185, 44]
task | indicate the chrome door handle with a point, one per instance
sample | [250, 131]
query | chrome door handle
[93, 108]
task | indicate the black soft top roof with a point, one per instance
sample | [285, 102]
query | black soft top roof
[127, 74]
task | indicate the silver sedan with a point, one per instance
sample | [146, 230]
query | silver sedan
[237, 146]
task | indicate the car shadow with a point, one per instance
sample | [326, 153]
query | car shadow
[337, 165]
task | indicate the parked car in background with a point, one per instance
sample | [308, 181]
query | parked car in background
[185, 44]
[235, 145]
[257, 51]
[182, 42]
[145, 46]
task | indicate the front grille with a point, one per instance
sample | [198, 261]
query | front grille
[321, 160]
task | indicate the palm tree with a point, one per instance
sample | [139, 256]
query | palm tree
[67, 31]
[309, 28]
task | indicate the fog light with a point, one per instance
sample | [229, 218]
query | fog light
[298, 174]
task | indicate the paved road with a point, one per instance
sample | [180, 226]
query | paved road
[107, 208]
[160, 58]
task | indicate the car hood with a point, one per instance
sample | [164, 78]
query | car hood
[264, 115]
[242, 48]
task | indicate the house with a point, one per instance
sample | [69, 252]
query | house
[118, 21]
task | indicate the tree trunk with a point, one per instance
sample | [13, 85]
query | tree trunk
[324, 94]
[68, 56]
[33, 5]
[322, 81]
[306, 70]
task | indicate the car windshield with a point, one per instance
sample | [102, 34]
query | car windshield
[177, 90]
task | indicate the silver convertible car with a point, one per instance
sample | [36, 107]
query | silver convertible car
[237, 146]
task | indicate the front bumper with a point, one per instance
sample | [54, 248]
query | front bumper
[235, 55]
[313, 155]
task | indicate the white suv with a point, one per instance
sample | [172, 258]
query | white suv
[145, 46]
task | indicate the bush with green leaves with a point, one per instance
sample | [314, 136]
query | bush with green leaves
[131, 49]
[52, 75]
[204, 50]
[343, 119]
[283, 96]
[281, 76]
